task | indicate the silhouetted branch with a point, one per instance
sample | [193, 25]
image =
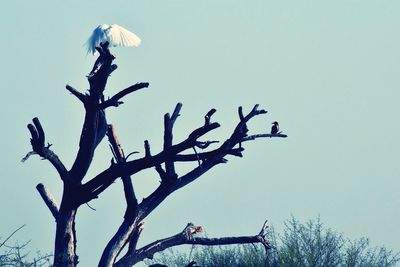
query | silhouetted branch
[161, 172]
[207, 117]
[114, 101]
[205, 155]
[76, 93]
[48, 199]
[168, 137]
[127, 228]
[99, 183]
[163, 190]
[38, 146]
[93, 131]
[102, 68]
[95, 124]
[210, 159]
[186, 237]
[241, 128]
[10, 235]
[255, 136]
[116, 147]
[205, 144]
[130, 197]
[147, 150]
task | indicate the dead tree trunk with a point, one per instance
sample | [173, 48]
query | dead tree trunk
[65, 244]
[95, 127]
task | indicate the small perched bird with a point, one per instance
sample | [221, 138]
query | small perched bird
[114, 34]
[275, 128]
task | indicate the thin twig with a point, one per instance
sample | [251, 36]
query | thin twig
[90, 206]
[12, 235]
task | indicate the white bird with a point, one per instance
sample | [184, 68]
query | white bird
[114, 34]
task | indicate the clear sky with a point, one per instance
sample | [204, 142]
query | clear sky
[328, 71]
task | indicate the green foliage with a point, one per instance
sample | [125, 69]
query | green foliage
[308, 244]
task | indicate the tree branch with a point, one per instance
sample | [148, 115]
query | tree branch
[118, 152]
[95, 124]
[168, 136]
[99, 183]
[93, 131]
[241, 128]
[102, 69]
[255, 136]
[114, 101]
[187, 237]
[128, 226]
[49, 200]
[210, 159]
[205, 155]
[135, 237]
[76, 93]
[38, 146]
[160, 194]
[10, 235]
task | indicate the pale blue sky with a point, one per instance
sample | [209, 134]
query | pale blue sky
[328, 71]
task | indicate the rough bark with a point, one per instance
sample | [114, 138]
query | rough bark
[65, 243]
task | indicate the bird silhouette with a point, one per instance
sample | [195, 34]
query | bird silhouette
[114, 34]
[275, 128]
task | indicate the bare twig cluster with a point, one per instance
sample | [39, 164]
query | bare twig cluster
[16, 255]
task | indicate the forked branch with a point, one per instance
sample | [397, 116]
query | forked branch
[171, 153]
[39, 147]
[99, 183]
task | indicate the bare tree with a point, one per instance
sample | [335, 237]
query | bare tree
[95, 127]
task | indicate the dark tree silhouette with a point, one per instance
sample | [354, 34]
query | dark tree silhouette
[95, 128]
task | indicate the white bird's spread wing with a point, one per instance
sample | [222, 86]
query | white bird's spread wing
[119, 36]
[115, 35]
[98, 36]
